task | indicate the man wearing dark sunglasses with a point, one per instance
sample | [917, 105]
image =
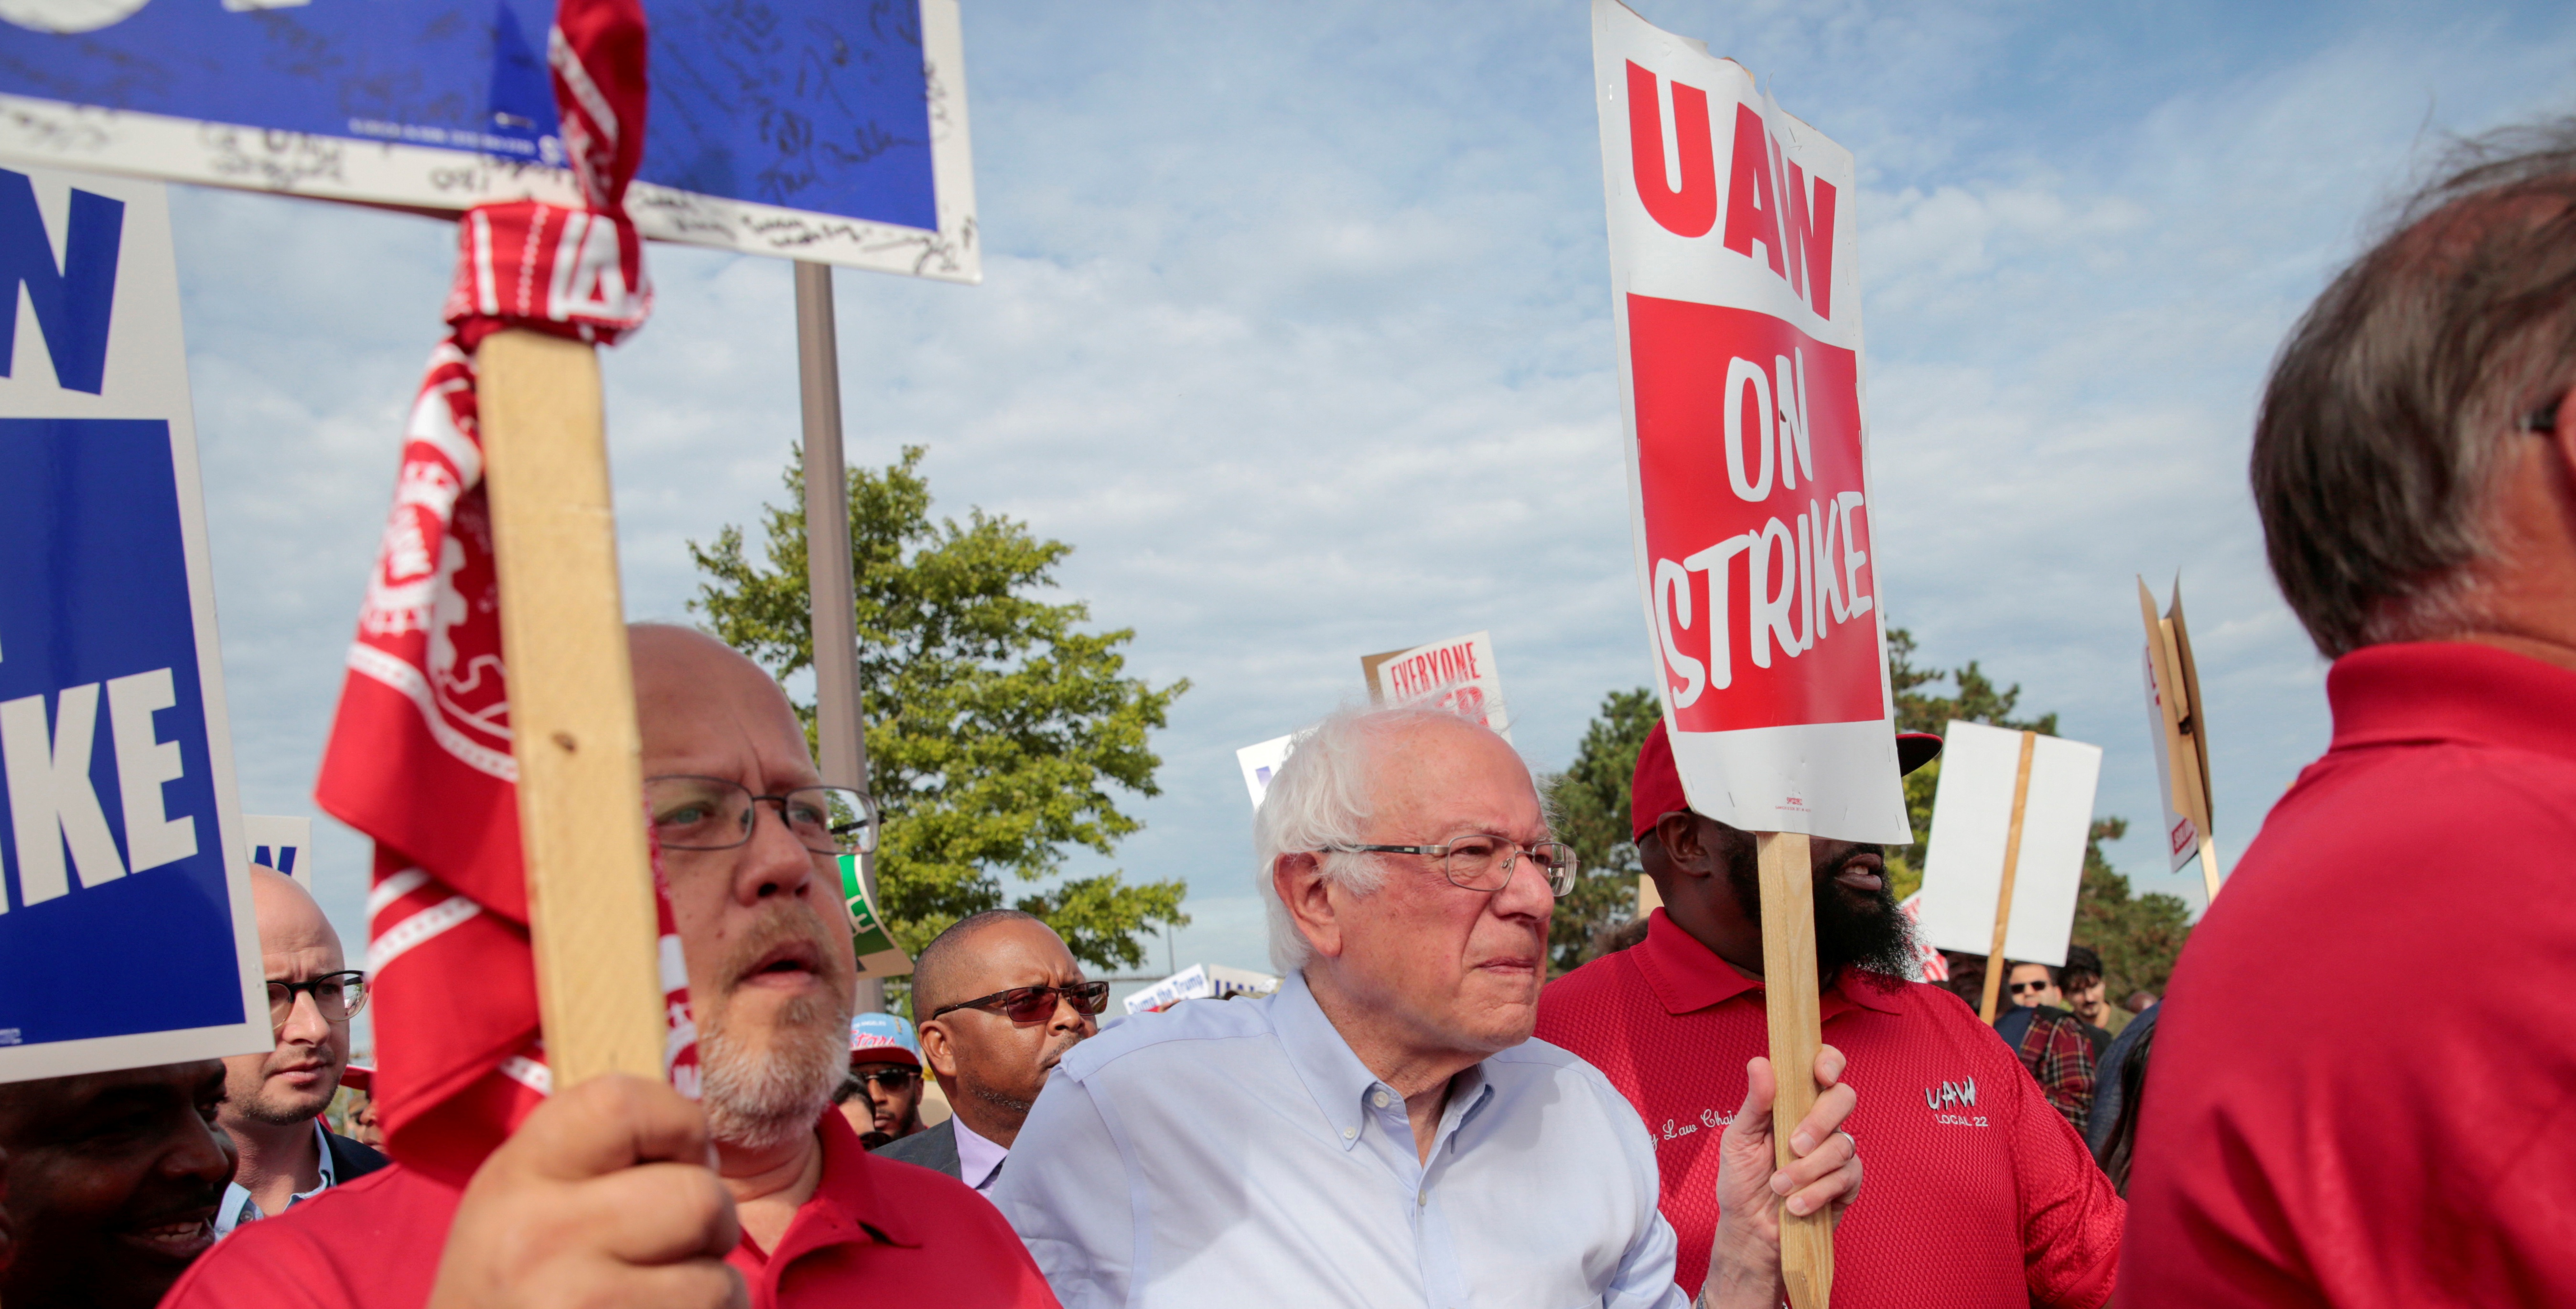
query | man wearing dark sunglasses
[1002, 1000]
[273, 1101]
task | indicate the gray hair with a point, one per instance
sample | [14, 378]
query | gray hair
[1323, 796]
[2383, 429]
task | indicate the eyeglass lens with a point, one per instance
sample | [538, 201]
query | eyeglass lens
[710, 813]
[1029, 1004]
[336, 995]
[892, 1079]
[1482, 863]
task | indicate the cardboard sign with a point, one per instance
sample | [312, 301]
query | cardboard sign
[1971, 812]
[126, 933]
[2178, 725]
[808, 129]
[1201, 982]
[879, 954]
[283, 844]
[1260, 762]
[1732, 273]
[1457, 675]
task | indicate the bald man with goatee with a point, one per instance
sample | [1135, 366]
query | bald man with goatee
[273, 1101]
[612, 1195]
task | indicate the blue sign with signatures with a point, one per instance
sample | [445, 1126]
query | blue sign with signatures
[821, 106]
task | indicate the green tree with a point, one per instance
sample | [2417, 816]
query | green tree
[997, 729]
[2138, 936]
[1977, 700]
[1590, 800]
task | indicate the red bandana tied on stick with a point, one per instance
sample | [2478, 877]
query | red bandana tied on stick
[419, 757]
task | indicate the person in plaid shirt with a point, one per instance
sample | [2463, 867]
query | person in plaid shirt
[2053, 1046]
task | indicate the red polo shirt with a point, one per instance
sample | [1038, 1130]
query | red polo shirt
[1977, 1193]
[2407, 1136]
[874, 1232]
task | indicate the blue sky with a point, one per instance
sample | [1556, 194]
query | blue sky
[1296, 324]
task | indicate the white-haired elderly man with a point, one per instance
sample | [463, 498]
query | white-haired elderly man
[1383, 1131]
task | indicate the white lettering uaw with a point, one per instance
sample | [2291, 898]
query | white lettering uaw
[1819, 558]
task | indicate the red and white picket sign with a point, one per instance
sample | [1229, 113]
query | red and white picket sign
[419, 757]
[1731, 258]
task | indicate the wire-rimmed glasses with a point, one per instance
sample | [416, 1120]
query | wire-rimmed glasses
[1485, 863]
[711, 813]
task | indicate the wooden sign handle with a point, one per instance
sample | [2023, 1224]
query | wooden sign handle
[572, 707]
[1797, 1032]
[2012, 865]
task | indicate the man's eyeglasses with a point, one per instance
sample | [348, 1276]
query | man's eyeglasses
[1024, 1005]
[2020, 987]
[1485, 863]
[894, 1080]
[339, 996]
[710, 813]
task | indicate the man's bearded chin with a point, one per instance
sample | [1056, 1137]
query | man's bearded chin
[1854, 929]
[767, 1086]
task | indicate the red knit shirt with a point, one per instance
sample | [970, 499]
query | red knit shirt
[874, 1232]
[1976, 1192]
[2412, 1141]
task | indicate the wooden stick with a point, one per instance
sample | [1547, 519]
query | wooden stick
[2185, 755]
[2012, 866]
[572, 707]
[840, 721]
[1789, 990]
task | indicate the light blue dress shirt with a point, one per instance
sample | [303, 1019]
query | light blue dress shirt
[1238, 1155]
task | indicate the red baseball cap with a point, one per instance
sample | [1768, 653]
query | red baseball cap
[1657, 790]
[358, 1077]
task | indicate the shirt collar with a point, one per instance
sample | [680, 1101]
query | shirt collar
[1343, 1087]
[237, 1207]
[977, 1159]
[1687, 976]
[2451, 690]
[846, 1205]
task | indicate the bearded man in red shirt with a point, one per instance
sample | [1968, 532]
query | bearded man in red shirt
[1980, 1193]
[611, 1199]
[2415, 468]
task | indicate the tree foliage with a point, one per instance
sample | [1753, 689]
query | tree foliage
[998, 730]
[1590, 800]
[2138, 936]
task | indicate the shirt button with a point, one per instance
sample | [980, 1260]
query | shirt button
[1378, 1098]
[1422, 1198]
[1350, 1133]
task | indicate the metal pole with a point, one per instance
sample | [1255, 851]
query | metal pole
[840, 720]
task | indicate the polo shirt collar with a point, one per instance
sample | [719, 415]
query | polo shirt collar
[1343, 1087]
[1687, 976]
[846, 1206]
[2451, 690]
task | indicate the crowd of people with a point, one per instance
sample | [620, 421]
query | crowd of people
[1419, 1117]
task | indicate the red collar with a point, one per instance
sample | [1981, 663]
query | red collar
[2452, 690]
[846, 1207]
[1687, 976]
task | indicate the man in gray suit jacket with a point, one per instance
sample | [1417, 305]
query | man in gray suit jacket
[1003, 999]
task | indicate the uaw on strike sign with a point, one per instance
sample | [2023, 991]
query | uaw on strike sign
[1739, 359]
[126, 935]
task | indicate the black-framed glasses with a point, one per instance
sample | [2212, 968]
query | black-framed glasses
[710, 813]
[2020, 987]
[1024, 1005]
[1485, 863]
[337, 996]
[896, 1081]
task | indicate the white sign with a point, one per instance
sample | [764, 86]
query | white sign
[126, 932]
[1260, 762]
[1963, 870]
[1732, 270]
[282, 844]
[1201, 982]
[1457, 675]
